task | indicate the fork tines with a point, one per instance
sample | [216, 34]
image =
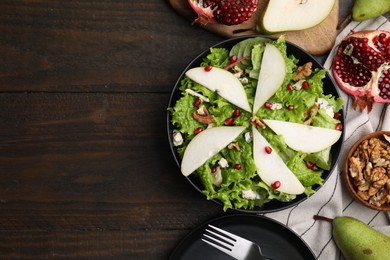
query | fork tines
[219, 238]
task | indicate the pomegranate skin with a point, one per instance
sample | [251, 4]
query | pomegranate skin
[361, 67]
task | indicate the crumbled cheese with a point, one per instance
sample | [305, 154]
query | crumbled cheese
[298, 85]
[223, 163]
[244, 81]
[276, 106]
[322, 103]
[193, 93]
[177, 138]
[248, 137]
[250, 195]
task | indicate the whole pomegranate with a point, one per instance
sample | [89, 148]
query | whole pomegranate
[361, 67]
[227, 12]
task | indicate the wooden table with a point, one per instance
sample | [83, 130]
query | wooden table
[86, 169]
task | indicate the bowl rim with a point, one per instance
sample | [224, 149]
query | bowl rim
[316, 64]
[348, 179]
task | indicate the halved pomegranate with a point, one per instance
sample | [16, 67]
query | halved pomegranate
[227, 12]
[361, 67]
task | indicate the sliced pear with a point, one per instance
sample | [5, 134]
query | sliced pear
[293, 15]
[271, 76]
[305, 138]
[222, 81]
[271, 167]
[206, 144]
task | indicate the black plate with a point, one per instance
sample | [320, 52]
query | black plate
[303, 57]
[276, 240]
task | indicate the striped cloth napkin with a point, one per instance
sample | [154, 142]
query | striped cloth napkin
[333, 199]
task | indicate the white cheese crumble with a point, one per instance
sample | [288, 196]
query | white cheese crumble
[322, 103]
[248, 137]
[298, 85]
[250, 195]
[217, 177]
[276, 106]
[177, 138]
[223, 163]
[193, 93]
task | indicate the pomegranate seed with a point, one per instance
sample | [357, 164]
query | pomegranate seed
[268, 105]
[237, 112]
[337, 116]
[233, 59]
[229, 121]
[276, 185]
[197, 102]
[305, 85]
[268, 149]
[198, 130]
[208, 68]
[290, 107]
[339, 127]
[237, 166]
[290, 87]
[213, 169]
[314, 168]
[309, 165]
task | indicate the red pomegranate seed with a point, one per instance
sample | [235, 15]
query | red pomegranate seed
[229, 121]
[236, 112]
[290, 87]
[276, 185]
[198, 130]
[213, 169]
[309, 165]
[339, 127]
[290, 107]
[337, 116]
[305, 85]
[268, 105]
[233, 59]
[237, 166]
[208, 68]
[197, 102]
[314, 168]
[268, 149]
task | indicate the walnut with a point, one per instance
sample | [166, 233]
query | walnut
[234, 145]
[303, 71]
[257, 122]
[369, 166]
[310, 113]
[203, 116]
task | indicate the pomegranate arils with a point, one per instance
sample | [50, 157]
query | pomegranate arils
[229, 121]
[268, 149]
[213, 169]
[208, 68]
[236, 112]
[233, 59]
[361, 67]
[268, 105]
[305, 85]
[198, 130]
[197, 102]
[276, 185]
[237, 166]
[228, 12]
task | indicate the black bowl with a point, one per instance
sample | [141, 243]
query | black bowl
[303, 57]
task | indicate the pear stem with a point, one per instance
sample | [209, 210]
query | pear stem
[317, 217]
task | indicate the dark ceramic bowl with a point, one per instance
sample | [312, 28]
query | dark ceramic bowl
[349, 181]
[304, 57]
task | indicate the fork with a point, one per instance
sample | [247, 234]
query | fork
[233, 245]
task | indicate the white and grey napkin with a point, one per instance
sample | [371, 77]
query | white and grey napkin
[333, 198]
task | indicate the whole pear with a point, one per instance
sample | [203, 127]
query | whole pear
[357, 240]
[366, 9]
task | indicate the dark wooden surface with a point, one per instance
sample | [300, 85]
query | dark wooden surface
[85, 167]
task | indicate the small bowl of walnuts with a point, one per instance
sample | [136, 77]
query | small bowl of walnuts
[367, 170]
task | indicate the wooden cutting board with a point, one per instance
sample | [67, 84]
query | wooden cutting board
[317, 40]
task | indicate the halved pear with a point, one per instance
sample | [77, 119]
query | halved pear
[304, 138]
[271, 167]
[293, 15]
[222, 81]
[206, 144]
[271, 76]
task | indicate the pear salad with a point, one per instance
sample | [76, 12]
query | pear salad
[254, 125]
